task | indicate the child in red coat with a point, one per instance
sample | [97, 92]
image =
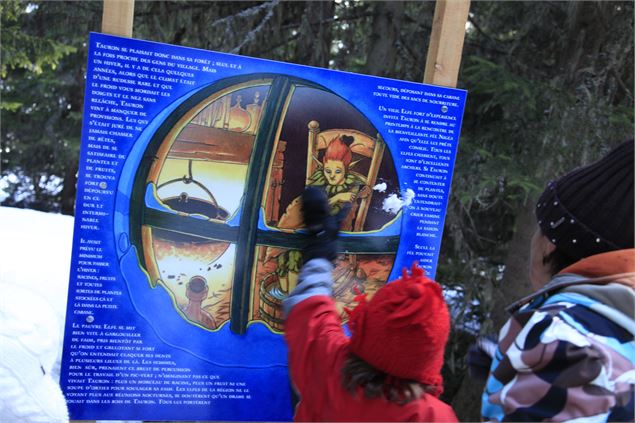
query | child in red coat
[389, 369]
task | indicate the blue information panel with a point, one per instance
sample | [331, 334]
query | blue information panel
[188, 232]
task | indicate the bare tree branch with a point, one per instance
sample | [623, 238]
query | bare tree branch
[251, 35]
[246, 13]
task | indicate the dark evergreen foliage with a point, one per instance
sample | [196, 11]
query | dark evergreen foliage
[550, 87]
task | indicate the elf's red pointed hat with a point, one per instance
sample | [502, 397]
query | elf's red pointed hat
[403, 329]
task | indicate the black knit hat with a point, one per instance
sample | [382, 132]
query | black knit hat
[590, 210]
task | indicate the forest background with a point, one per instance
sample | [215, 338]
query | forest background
[550, 87]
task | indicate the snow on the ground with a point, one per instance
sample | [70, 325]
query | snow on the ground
[35, 253]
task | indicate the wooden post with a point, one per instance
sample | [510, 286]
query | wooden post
[446, 42]
[118, 17]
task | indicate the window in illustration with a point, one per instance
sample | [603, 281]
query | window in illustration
[221, 226]
[342, 153]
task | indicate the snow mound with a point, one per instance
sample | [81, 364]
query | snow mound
[35, 253]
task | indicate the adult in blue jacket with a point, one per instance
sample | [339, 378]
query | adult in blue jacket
[568, 351]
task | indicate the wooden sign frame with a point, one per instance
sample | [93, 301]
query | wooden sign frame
[444, 52]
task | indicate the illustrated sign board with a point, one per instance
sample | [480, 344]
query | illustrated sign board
[188, 233]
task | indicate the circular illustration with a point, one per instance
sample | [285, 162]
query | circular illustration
[215, 210]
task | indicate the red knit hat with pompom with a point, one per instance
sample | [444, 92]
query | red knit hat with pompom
[403, 329]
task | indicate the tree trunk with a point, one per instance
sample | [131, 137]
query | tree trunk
[67, 201]
[467, 401]
[515, 285]
[314, 44]
[382, 54]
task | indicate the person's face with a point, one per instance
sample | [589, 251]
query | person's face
[539, 268]
[334, 171]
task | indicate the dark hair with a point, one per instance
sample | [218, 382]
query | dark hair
[558, 259]
[375, 383]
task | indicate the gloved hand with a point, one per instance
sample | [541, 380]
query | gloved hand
[480, 355]
[323, 227]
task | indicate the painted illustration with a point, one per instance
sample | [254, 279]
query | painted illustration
[200, 173]
[344, 155]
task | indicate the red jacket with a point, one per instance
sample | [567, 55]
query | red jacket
[317, 350]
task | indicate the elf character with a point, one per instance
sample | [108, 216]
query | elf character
[335, 177]
[341, 186]
[390, 367]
